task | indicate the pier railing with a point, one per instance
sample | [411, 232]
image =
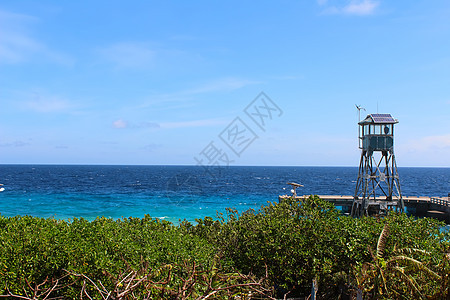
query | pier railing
[434, 207]
[440, 201]
[347, 200]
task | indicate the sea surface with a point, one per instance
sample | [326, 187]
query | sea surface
[175, 193]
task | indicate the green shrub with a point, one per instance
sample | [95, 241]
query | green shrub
[278, 249]
[297, 240]
[35, 249]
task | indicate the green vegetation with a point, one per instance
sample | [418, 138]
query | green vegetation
[277, 250]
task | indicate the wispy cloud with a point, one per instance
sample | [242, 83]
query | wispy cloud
[124, 124]
[183, 37]
[129, 54]
[428, 150]
[151, 147]
[430, 143]
[121, 124]
[221, 85]
[287, 77]
[185, 98]
[17, 45]
[194, 123]
[354, 7]
[48, 104]
[365, 7]
[15, 144]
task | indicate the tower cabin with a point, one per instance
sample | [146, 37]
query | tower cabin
[376, 133]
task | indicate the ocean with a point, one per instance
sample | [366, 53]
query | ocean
[176, 193]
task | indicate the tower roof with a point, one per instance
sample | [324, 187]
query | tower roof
[378, 119]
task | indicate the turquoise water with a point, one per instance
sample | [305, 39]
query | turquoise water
[178, 192]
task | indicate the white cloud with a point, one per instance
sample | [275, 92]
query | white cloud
[148, 125]
[16, 144]
[194, 123]
[152, 147]
[288, 77]
[18, 46]
[183, 37]
[430, 143]
[120, 124]
[365, 7]
[185, 98]
[48, 104]
[220, 85]
[354, 7]
[428, 151]
[15, 44]
[129, 55]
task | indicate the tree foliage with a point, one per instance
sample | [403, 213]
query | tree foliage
[275, 251]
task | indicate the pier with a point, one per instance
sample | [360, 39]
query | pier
[432, 207]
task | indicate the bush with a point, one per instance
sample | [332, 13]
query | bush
[275, 251]
[34, 250]
[298, 240]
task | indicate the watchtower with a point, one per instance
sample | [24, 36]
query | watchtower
[378, 186]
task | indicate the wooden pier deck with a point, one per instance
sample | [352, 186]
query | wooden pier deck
[434, 207]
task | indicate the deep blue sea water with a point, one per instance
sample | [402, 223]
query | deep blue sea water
[178, 192]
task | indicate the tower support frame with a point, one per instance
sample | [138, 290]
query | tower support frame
[378, 187]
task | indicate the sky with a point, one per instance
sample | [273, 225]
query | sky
[270, 83]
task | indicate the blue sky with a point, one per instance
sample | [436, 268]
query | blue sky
[162, 82]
